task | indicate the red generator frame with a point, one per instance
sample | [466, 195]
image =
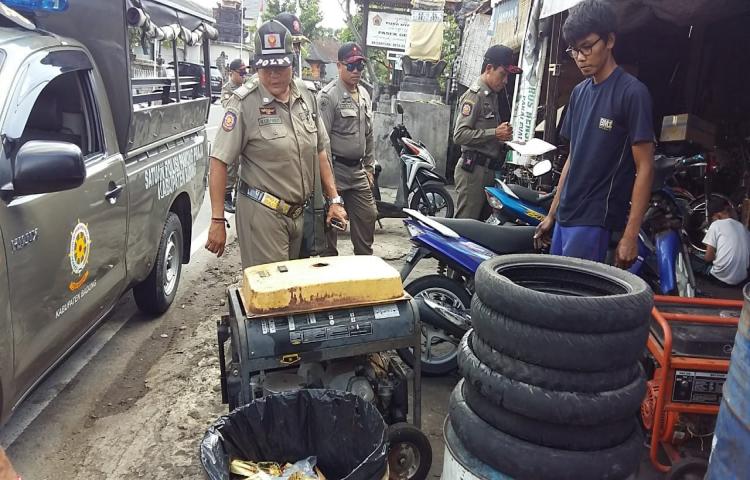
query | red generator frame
[662, 411]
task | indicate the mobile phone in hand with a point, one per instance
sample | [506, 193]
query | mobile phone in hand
[338, 224]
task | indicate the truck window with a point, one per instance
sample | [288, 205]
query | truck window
[65, 111]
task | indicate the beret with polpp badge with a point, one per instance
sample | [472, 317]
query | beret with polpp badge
[273, 46]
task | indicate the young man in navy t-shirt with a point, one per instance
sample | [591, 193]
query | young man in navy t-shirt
[605, 185]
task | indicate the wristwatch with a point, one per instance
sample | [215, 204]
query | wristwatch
[337, 200]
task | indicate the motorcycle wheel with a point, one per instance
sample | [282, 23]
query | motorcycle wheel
[433, 200]
[439, 348]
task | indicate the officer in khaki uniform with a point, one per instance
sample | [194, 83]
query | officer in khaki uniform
[346, 110]
[237, 73]
[271, 124]
[479, 132]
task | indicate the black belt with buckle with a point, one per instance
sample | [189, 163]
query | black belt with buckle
[482, 160]
[273, 202]
[351, 162]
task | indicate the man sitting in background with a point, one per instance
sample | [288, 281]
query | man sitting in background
[727, 245]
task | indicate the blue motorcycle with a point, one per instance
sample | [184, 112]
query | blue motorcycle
[663, 255]
[444, 299]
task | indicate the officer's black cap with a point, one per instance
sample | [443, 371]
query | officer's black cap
[292, 23]
[502, 56]
[350, 52]
[273, 46]
[237, 64]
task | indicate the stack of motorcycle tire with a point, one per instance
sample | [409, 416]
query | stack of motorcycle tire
[552, 383]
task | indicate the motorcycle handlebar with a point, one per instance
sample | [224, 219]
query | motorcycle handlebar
[693, 161]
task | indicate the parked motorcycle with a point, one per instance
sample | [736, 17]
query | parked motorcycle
[515, 204]
[444, 298]
[663, 255]
[421, 187]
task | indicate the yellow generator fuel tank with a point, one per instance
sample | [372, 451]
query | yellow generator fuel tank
[312, 284]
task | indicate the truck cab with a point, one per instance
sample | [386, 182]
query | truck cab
[99, 183]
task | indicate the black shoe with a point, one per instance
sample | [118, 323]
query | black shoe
[229, 204]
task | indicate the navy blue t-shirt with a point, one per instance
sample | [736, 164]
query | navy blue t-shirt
[602, 123]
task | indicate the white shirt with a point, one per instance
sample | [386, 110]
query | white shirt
[731, 240]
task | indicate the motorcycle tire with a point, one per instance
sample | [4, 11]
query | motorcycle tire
[554, 406]
[517, 458]
[581, 352]
[552, 379]
[553, 435]
[564, 294]
[427, 204]
[448, 287]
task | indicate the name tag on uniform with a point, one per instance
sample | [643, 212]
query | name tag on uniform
[606, 124]
[269, 121]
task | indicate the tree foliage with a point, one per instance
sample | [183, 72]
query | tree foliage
[310, 15]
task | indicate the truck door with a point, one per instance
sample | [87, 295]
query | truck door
[66, 264]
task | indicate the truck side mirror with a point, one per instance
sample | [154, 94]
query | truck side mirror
[43, 166]
[545, 166]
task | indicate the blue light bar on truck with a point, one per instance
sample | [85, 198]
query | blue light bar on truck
[38, 5]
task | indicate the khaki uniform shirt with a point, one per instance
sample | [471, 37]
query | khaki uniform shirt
[349, 126]
[226, 92]
[277, 143]
[476, 121]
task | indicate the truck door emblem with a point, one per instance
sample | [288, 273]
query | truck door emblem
[80, 246]
[24, 240]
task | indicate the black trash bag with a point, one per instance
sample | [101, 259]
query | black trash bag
[346, 434]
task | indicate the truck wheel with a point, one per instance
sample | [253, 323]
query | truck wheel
[156, 293]
[409, 453]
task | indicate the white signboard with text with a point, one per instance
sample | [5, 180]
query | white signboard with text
[387, 30]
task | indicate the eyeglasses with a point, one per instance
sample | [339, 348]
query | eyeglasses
[586, 50]
[359, 66]
[242, 72]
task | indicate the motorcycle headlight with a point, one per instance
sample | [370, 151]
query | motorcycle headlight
[493, 201]
[361, 387]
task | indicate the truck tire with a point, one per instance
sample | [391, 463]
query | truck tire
[565, 294]
[520, 459]
[155, 294]
[550, 378]
[444, 290]
[551, 405]
[585, 352]
[567, 437]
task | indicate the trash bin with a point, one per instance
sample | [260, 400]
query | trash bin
[346, 433]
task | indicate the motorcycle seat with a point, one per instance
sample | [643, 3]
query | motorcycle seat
[497, 238]
[533, 196]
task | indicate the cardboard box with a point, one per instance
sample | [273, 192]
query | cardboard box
[687, 127]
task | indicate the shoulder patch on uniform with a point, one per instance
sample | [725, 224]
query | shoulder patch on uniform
[249, 87]
[324, 102]
[474, 88]
[328, 87]
[466, 109]
[229, 122]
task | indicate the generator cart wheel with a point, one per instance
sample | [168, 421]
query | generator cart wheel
[439, 348]
[156, 293]
[689, 468]
[409, 453]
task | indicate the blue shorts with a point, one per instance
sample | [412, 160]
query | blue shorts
[590, 243]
